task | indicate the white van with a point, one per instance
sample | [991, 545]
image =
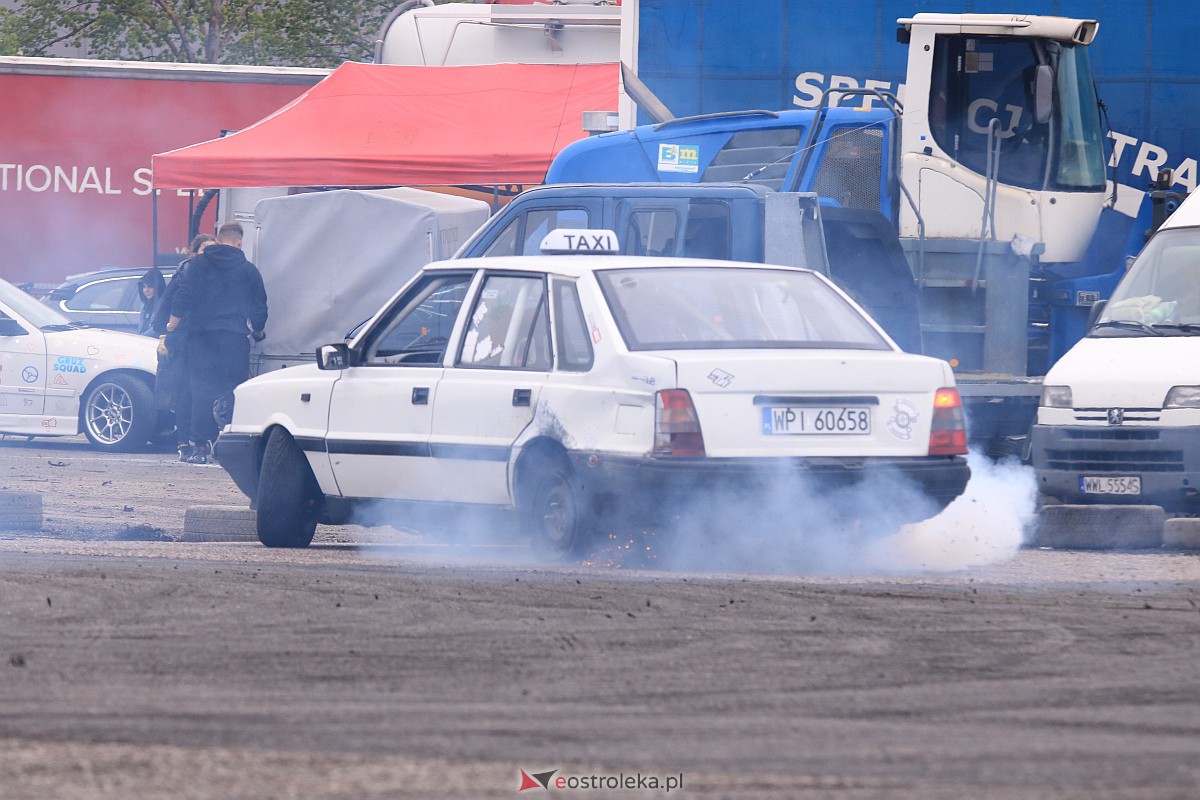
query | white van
[1119, 418]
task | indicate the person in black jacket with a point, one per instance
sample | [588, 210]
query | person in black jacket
[174, 379]
[151, 288]
[222, 303]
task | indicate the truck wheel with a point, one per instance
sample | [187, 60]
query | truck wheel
[20, 511]
[119, 413]
[556, 513]
[288, 494]
[1100, 527]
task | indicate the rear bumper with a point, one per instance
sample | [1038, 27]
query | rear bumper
[1167, 460]
[239, 453]
[652, 487]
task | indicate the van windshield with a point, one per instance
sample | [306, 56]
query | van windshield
[1161, 292]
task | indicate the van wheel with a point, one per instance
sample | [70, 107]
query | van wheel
[119, 413]
[289, 497]
[557, 513]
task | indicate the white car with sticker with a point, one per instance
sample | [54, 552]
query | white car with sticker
[572, 389]
[58, 377]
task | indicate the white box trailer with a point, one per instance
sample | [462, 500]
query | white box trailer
[330, 260]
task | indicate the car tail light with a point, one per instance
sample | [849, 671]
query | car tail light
[948, 434]
[676, 426]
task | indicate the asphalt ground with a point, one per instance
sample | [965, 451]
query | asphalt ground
[380, 664]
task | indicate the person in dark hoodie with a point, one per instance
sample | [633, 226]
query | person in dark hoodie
[151, 289]
[174, 378]
[223, 304]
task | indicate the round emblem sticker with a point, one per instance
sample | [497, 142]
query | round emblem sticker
[904, 417]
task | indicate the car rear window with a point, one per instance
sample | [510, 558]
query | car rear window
[699, 308]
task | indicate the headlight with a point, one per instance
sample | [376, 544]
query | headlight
[1056, 397]
[1183, 397]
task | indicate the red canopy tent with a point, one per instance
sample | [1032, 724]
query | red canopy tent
[380, 125]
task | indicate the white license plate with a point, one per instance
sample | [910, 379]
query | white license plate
[816, 420]
[1110, 484]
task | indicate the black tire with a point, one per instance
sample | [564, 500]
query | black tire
[219, 524]
[119, 413]
[20, 511]
[289, 497]
[556, 512]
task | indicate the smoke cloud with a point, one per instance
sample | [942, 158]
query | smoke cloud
[862, 530]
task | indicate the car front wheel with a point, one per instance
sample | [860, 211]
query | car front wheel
[119, 413]
[288, 494]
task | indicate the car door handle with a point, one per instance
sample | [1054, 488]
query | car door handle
[521, 397]
[420, 396]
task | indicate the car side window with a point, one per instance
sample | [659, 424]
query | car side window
[418, 330]
[574, 344]
[509, 325]
[110, 295]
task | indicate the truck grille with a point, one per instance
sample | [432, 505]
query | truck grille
[1131, 414]
[1097, 461]
[1114, 434]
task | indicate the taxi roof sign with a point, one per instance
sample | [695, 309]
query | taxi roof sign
[579, 241]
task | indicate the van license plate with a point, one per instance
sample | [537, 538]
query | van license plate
[1110, 484]
[813, 419]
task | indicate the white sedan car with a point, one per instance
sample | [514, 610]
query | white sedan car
[572, 389]
[59, 377]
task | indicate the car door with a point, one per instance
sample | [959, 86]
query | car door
[22, 372]
[381, 408]
[488, 396]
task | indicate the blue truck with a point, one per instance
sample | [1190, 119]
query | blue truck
[954, 216]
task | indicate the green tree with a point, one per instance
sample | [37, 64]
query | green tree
[302, 33]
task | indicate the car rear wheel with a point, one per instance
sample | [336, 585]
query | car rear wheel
[119, 413]
[288, 494]
[557, 514]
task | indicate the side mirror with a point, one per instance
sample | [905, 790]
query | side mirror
[1043, 94]
[10, 327]
[333, 356]
[1094, 313]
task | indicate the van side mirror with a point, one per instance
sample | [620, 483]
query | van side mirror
[333, 356]
[1043, 93]
[1095, 312]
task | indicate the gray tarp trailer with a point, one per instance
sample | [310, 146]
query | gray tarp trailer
[330, 260]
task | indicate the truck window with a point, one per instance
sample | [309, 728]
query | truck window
[523, 236]
[651, 232]
[978, 79]
[708, 232]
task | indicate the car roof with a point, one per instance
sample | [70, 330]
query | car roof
[122, 272]
[577, 266]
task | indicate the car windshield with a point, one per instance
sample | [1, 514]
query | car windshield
[714, 307]
[27, 307]
[1161, 292]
